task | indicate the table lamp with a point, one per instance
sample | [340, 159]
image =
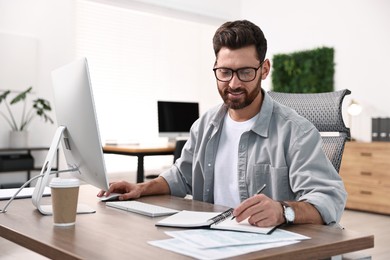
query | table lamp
[354, 109]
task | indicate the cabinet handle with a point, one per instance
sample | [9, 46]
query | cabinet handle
[364, 192]
[366, 173]
[366, 154]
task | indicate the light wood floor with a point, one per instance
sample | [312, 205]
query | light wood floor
[370, 223]
[376, 224]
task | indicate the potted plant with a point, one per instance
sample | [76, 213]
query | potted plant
[40, 108]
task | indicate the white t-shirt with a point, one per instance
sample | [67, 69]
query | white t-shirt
[225, 174]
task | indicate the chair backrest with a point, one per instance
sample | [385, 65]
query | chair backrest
[324, 110]
[178, 148]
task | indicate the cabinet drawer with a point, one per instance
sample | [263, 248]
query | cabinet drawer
[367, 197]
[16, 162]
[361, 157]
[367, 153]
[366, 175]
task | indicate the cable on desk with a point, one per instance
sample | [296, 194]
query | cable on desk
[27, 183]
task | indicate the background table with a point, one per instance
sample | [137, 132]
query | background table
[140, 152]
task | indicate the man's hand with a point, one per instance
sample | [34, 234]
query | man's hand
[157, 186]
[265, 212]
[128, 190]
[261, 211]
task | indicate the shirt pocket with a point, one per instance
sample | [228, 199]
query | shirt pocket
[276, 178]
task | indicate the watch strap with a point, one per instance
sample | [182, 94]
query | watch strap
[285, 206]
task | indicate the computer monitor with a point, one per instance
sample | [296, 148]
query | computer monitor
[77, 130]
[176, 118]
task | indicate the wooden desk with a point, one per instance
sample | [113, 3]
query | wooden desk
[140, 152]
[114, 234]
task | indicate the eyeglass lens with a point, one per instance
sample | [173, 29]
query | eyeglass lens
[244, 74]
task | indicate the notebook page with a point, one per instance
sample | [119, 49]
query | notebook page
[187, 218]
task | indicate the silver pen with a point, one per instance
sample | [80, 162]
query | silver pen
[258, 192]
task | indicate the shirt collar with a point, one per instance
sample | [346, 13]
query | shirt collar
[262, 123]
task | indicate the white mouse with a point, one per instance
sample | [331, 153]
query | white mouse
[111, 197]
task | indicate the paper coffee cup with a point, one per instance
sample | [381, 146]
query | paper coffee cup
[64, 195]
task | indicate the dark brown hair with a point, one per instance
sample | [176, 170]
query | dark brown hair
[239, 34]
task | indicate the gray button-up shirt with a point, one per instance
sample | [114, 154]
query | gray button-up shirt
[282, 150]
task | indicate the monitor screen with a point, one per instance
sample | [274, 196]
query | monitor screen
[77, 131]
[176, 118]
[75, 109]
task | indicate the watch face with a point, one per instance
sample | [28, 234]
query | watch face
[289, 214]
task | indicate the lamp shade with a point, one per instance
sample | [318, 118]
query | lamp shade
[354, 108]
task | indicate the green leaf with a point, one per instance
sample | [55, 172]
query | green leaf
[40, 107]
[4, 96]
[21, 96]
[309, 71]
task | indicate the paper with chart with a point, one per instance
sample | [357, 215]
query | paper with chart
[205, 238]
[181, 247]
[218, 244]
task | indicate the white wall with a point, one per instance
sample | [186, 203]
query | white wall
[357, 29]
[51, 23]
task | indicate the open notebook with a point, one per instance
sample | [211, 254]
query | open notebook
[213, 220]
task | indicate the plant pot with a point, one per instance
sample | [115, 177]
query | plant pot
[18, 139]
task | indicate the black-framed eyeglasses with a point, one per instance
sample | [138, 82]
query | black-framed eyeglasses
[246, 74]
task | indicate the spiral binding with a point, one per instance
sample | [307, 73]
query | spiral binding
[221, 217]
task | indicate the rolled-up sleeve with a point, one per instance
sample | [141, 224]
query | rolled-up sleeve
[314, 179]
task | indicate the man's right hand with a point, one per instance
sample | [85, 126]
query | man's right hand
[126, 189]
[157, 186]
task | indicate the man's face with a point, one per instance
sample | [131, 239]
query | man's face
[238, 94]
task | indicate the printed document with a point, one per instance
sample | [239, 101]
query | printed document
[181, 247]
[205, 238]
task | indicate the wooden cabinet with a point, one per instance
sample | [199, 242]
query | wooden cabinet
[365, 170]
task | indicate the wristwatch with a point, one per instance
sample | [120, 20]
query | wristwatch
[288, 213]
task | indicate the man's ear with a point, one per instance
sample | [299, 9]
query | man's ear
[266, 68]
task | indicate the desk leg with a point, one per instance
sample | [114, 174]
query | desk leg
[140, 169]
[28, 176]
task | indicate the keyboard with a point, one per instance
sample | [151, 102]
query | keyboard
[6, 194]
[141, 208]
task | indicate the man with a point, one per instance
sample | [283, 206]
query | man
[250, 140]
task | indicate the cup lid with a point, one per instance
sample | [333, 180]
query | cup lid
[64, 183]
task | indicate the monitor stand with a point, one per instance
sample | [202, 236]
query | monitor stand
[42, 182]
[173, 140]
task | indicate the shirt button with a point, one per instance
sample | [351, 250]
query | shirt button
[209, 164]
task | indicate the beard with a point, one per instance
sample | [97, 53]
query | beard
[239, 103]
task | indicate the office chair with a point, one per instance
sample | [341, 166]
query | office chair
[324, 110]
[176, 154]
[178, 148]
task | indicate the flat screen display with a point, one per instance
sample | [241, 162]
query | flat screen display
[176, 118]
[75, 109]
